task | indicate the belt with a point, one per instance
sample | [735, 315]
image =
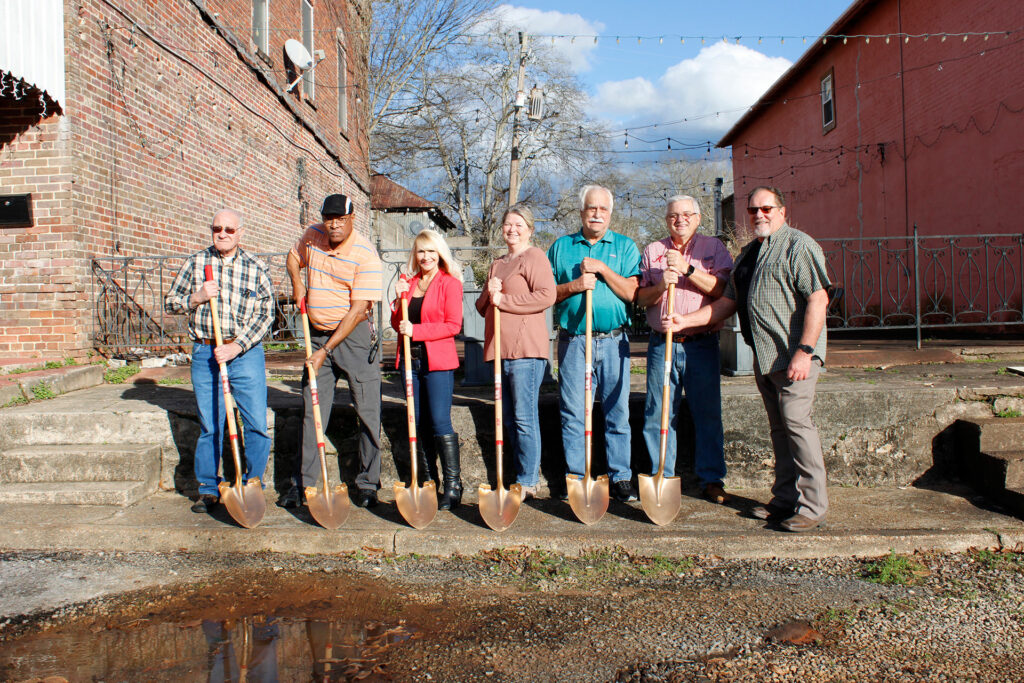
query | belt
[617, 332]
[682, 338]
[213, 342]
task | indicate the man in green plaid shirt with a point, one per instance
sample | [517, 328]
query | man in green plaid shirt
[246, 307]
[779, 290]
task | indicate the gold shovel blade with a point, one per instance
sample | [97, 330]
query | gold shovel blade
[246, 504]
[499, 507]
[588, 497]
[660, 497]
[329, 507]
[418, 504]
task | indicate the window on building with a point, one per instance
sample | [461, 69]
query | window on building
[308, 83]
[828, 102]
[260, 25]
[342, 85]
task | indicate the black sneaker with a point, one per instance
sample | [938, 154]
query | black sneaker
[623, 491]
[292, 498]
[205, 502]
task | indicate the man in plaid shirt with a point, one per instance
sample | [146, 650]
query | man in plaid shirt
[246, 307]
[779, 289]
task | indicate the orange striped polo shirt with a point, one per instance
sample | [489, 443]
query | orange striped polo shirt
[351, 271]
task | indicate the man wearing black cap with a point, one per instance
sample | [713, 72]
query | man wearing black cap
[343, 278]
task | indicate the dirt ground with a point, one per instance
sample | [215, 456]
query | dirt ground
[513, 615]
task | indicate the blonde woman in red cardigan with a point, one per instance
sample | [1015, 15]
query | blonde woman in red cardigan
[522, 286]
[434, 293]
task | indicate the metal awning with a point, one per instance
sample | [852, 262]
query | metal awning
[32, 44]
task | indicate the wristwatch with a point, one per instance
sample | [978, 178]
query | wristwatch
[689, 271]
[806, 348]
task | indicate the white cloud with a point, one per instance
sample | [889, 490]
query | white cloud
[722, 78]
[576, 52]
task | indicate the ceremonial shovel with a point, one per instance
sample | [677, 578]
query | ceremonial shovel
[661, 496]
[329, 506]
[245, 503]
[499, 507]
[588, 497]
[418, 504]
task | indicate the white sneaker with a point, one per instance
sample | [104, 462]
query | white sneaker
[528, 492]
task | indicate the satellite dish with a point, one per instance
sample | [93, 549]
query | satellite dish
[415, 227]
[298, 54]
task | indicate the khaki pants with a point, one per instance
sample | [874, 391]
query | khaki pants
[800, 481]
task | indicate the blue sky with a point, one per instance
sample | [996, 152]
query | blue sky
[710, 84]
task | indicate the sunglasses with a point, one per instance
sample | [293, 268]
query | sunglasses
[752, 210]
[215, 229]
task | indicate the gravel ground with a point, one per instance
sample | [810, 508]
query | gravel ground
[522, 615]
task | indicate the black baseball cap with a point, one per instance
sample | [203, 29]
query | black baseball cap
[336, 205]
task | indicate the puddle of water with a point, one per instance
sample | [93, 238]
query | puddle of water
[296, 629]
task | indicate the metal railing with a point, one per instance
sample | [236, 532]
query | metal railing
[926, 282]
[917, 282]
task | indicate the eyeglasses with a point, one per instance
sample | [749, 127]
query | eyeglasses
[686, 215]
[215, 229]
[752, 210]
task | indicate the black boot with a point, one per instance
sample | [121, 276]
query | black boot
[448, 450]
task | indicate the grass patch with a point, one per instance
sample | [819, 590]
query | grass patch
[637, 370]
[894, 570]
[1008, 412]
[16, 401]
[534, 566]
[120, 375]
[42, 392]
[999, 560]
[283, 346]
[173, 380]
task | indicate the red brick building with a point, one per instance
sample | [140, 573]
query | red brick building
[171, 110]
[911, 113]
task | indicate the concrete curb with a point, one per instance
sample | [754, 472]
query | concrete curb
[861, 524]
[59, 381]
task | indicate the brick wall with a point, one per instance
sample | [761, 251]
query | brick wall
[955, 165]
[170, 115]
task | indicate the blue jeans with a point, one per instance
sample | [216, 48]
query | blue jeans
[695, 371]
[439, 386]
[520, 386]
[248, 377]
[611, 382]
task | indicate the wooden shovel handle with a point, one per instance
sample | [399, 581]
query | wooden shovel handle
[229, 404]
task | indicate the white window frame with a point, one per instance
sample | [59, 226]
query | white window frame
[828, 101]
[308, 78]
[261, 29]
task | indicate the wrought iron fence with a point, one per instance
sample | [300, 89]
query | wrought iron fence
[925, 282]
[915, 282]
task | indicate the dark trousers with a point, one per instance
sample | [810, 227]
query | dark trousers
[349, 358]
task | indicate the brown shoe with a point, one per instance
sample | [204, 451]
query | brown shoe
[716, 494]
[770, 512]
[798, 523]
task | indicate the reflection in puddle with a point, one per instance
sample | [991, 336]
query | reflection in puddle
[321, 640]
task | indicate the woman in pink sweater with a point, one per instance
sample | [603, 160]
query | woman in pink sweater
[522, 286]
[435, 316]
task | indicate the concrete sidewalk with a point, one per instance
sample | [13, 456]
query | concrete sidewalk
[862, 522]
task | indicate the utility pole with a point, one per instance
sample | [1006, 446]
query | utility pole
[520, 102]
[719, 228]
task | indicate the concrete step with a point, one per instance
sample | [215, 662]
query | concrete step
[1000, 433]
[80, 462]
[119, 493]
[999, 470]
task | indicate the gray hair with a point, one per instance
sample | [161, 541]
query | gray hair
[683, 198]
[236, 214]
[587, 189]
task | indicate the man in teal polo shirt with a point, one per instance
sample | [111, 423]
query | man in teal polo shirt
[608, 263]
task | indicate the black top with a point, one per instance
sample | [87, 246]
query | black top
[743, 273]
[415, 307]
